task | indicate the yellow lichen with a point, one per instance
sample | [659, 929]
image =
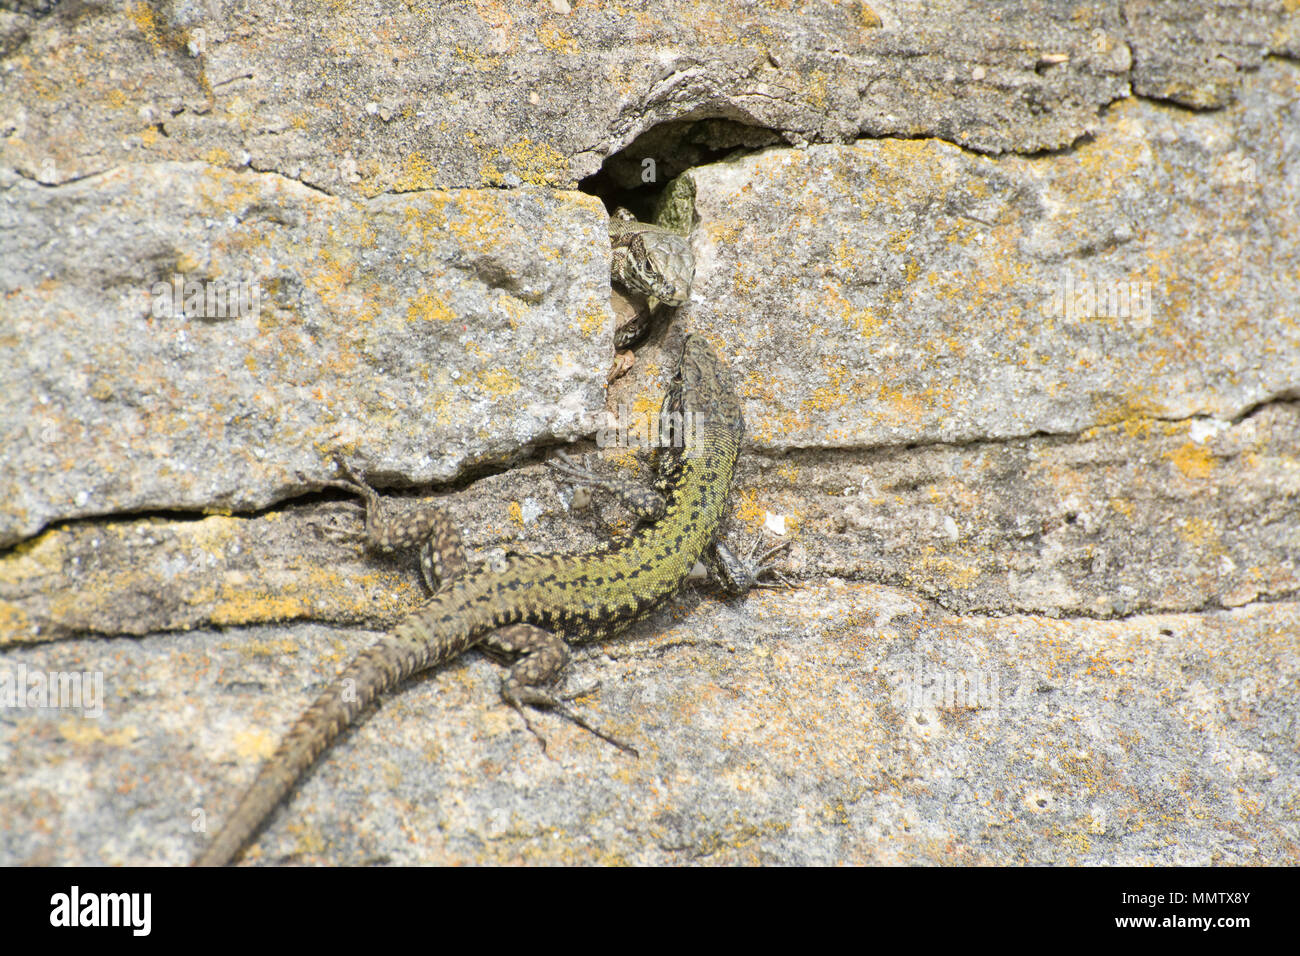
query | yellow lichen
[141, 14]
[499, 382]
[255, 744]
[417, 172]
[430, 307]
[1193, 460]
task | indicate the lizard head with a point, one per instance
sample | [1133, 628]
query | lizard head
[651, 261]
[660, 266]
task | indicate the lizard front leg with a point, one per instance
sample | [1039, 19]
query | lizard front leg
[646, 504]
[442, 552]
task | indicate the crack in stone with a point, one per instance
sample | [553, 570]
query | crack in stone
[312, 495]
[1288, 396]
[633, 647]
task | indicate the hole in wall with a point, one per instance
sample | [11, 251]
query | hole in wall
[636, 176]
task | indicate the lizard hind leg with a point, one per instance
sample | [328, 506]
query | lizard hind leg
[542, 656]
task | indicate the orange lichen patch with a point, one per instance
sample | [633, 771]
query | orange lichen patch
[142, 16]
[958, 576]
[538, 163]
[516, 513]
[85, 733]
[556, 41]
[36, 557]
[235, 191]
[333, 278]
[1123, 506]
[240, 608]
[270, 649]
[591, 320]
[1193, 460]
[863, 319]
[709, 25]
[429, 307]
[477, 59]
[499, 382]
[748, 509]
[255, 744]
[535, 163]
[826, 398]
[514, 308]
[14, 624]
[479, 219]
[1100, 666]
[217, 157]
[1202, 534]
[417, 172]
[725, 232]
[771, 430]
[647, 404]
[1133, 411]
[904, 405]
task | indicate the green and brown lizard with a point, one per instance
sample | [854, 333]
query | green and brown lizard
[535, 604]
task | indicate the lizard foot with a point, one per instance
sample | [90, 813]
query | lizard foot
[350, 508]
[519, 697]
[737, 575]
[761, 565]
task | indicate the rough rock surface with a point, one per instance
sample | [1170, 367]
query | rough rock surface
[434, 315]
[390, 97]
[1010, 294]
[919, 293]
[842, 723]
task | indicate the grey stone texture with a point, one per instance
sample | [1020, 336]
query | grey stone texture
[1009, 291]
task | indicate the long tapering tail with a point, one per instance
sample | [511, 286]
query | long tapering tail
[430, 636]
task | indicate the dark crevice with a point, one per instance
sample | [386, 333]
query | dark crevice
[940, 606]
[277, 172]
[1288, 396]
[654, 652]
[541, 451]
[1180, 105]
[1084, 138]
[1208, 606]
[63, 182]
[636, 176]
[234, 79]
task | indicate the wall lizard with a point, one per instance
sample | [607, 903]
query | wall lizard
[535, 604]
[654, 264]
